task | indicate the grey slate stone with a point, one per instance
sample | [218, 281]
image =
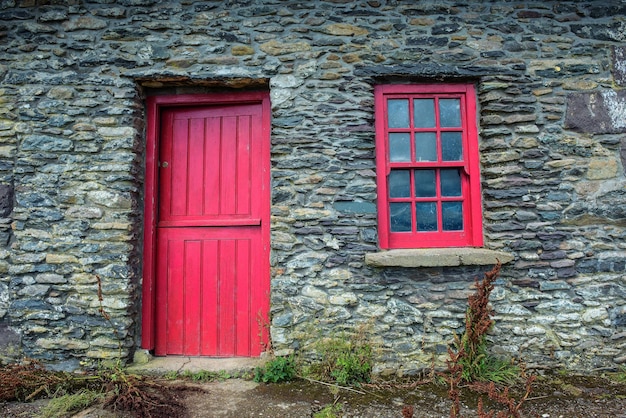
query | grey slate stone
[45, 143]
[6, 199]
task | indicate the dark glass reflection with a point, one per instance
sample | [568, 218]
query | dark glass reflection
[449, 112]
[425, 146]
[451, 146]
[426, 216]
[399, 183]
[425, 183]
[450, 182]
[424, 113]
[398, 113]
[452, 214]
[400, 217]
[399, 147]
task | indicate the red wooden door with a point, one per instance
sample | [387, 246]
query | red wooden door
[211, 287]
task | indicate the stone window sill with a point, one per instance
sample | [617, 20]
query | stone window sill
[437, 257]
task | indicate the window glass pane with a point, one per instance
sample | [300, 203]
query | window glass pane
[450, 182]
[426, 216]
[451, 146]
[398, 113]
[424, 113]
[399, 183]
[452, 214]
[425, 146]
[425, 185]
[400, 217]
[399, 147]
[450, 112]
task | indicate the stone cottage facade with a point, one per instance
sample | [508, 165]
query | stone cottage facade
[85, 90]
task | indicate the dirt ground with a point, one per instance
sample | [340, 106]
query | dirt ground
[557, 397]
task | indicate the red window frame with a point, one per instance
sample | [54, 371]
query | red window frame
[469, 167]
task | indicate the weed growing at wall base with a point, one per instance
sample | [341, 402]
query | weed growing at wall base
[472, 363]
[345, 359]
[278, 369]
[476, 362]
[619, 376]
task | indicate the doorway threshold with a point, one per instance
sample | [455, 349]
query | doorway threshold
[144, 363]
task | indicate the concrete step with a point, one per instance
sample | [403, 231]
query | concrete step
[144, 363]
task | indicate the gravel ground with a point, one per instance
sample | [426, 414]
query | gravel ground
[564, 397]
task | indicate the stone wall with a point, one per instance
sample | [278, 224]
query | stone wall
[549, 77]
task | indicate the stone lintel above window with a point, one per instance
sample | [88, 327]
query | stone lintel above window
[437, 257]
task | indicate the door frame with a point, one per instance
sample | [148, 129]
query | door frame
[154, 106]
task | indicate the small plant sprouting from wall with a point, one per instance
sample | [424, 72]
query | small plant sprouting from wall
[471, 362]
[471, 347]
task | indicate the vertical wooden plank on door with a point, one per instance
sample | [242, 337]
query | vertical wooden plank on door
[226, 289]
[228, 166]
[175, 293]
[210, 298]
[243, 298]
[212, 168]
[259, 290]
[192, 291]
[178, 166]
[243, 180]
[165, 155]
[195, 176]
[162, 270]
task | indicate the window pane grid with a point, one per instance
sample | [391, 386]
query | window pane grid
[418, 202]
[438, 130]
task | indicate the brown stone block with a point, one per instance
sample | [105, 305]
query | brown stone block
[597, 113]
